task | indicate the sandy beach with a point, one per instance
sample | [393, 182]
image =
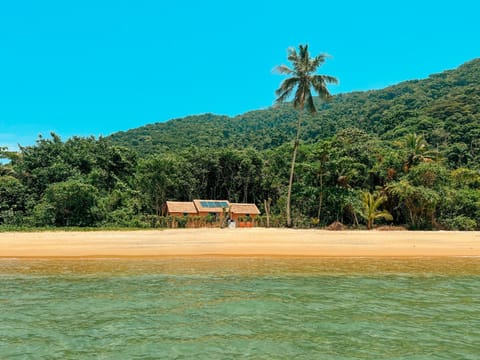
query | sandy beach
[239, 242]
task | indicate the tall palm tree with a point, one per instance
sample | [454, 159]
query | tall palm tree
[301, 79]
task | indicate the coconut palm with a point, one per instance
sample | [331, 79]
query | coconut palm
[370, 211]
[417, 150]
[301, 79]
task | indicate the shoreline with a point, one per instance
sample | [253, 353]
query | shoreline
[249, 242]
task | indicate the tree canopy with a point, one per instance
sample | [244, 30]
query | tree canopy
[414, 147]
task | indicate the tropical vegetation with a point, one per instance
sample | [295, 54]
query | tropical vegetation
[407, 155]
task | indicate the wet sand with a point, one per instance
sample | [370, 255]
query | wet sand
[240, 242]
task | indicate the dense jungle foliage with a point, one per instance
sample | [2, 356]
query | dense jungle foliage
[405, 155]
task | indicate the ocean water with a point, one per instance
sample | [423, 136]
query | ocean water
[240, 308]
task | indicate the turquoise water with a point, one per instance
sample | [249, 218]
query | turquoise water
[240, 308]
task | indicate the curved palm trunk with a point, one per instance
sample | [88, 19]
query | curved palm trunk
[292, 171]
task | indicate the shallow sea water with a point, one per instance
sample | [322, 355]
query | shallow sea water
[240, 308]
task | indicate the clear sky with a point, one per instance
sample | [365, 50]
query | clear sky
[93, 67]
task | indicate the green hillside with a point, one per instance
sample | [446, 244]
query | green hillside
[445, 108]
[406, 155]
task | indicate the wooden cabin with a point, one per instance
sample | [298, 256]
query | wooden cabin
[244, 214]
[181, 208]
[216, 210]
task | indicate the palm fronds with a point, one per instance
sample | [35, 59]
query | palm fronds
[303, 78]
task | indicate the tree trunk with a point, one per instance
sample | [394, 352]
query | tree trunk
[320, 201]
[292, 170]
[267, 210]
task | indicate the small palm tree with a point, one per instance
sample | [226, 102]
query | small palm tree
[417, 150]
[370, 211]
[302, 79]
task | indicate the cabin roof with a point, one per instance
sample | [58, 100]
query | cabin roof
[211, 206]
[185, 207]
[244, 209]
[215, 206]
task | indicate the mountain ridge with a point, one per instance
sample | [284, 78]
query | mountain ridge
[439, 102]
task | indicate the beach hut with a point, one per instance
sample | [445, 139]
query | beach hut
[244, 214]
[215, 211]
[181, 208]
[212, 208]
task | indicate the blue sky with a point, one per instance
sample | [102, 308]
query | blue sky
[96, 67]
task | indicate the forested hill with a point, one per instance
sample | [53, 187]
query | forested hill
[444, 107]
[405, 155]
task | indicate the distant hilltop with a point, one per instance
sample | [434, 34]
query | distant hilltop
[441, 102]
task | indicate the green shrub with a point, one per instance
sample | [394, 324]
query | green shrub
[461, 222]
